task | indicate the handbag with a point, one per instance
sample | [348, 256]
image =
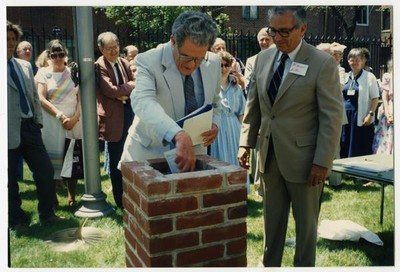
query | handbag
[73, 159]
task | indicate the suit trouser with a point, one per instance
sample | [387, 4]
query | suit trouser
[115, 151]
[279, 195]
[35, 155]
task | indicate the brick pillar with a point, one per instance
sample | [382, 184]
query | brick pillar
[187, 219]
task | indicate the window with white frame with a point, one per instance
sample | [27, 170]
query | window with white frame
[250, 12]
[363, 16]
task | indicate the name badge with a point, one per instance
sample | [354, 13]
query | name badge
[298, 68]
[351, 92]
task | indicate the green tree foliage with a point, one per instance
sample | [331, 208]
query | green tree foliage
[142, 19]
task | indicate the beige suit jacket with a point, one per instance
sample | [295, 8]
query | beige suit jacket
[158, 101]
[305, 121]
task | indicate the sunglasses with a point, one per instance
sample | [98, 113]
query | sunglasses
[226, 65]
[57, 55]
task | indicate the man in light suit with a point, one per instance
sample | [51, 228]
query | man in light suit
[159, 98]
[24, 137]
[299, 133]
[114, 86]
[265, 42]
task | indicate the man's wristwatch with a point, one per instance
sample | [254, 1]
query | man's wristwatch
[371, 113]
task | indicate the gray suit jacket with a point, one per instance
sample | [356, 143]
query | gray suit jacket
[305, 120]
[13, 107]
[158, 101]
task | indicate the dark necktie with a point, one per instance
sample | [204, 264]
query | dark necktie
[22, 98]
[277, 79]
[190, 98]
[120, 78]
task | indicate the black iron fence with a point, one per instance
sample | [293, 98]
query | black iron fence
[242, 45]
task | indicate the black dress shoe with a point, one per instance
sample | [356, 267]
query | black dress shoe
[19, 221]
[52, 219]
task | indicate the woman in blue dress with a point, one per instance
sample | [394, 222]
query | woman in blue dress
[233, 102]
[361, 94]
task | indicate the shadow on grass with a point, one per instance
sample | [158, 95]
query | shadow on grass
[348, 186]
[254, 208]
[254, 237]
[377, 255]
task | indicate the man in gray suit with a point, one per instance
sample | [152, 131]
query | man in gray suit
[295, 105]
[24, 137]
[159, 98]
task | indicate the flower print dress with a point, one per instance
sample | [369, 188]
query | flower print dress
[383, 141]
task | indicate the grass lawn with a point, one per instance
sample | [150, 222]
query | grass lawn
[352, 201]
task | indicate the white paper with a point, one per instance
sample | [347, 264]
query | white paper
[170, 156]
[198, 124]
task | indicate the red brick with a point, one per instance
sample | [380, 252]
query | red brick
[237, 212]
[154, 226]
[128, 168]
[152, 182]
[236, 247]
[239, 261]
[173, 242]
[198, 183]
[200, 255]
[137, 232]
[169, 206]
[130, 247]
[132, 195]
[154, 261]
[238, 177]
[129, 205]
[225, 197]
[128, 256]
[199, 219]
[142, 255]
[129, 238]
[161, 261]
[224, 233]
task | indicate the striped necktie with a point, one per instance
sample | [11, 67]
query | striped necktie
[277, 79]
[190, 98]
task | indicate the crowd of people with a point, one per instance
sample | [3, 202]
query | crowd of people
[285, 115]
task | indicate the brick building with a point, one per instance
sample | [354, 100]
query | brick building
[41, 24]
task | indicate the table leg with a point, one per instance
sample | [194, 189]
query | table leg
[382, 201]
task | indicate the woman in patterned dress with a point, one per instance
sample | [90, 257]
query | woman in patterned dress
[59, 98]
[383, 141]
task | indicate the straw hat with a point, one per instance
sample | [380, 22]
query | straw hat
[337, 47]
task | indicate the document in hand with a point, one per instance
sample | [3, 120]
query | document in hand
[197, 122]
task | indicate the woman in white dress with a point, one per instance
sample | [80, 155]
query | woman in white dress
[59, 98]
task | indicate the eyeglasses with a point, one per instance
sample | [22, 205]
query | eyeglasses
[57, 55]
[226, 65]
[111, 48]
[197, 60]
[283, 33]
